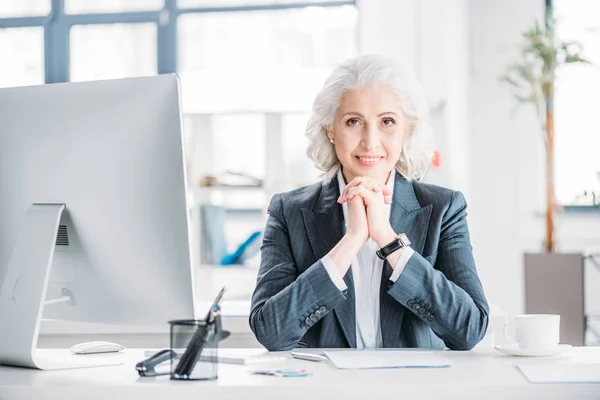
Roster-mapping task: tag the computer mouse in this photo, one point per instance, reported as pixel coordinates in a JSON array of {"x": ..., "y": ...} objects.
[{"x": 96, "y": 347}]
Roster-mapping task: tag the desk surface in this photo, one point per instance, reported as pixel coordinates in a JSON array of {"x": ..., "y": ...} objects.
[{"x": 475, "y": 374}]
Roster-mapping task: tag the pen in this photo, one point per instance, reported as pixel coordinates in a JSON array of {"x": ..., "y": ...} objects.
[
  {"x": 308, "y": 356},
  {"x": 285, "y": 373},
  {"x": 188, "y": 360}
]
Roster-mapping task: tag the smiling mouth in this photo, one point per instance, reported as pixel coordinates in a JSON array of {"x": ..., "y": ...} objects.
[{"x": 368, "y": 159}]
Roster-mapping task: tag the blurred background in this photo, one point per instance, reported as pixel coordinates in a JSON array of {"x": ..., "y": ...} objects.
[{"x": 250, "y": 69}]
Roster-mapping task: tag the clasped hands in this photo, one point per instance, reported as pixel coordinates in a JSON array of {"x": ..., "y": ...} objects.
[{"x": 367, "y": 213}]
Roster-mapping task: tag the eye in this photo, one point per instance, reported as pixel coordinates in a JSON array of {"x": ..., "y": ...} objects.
[
  {"x": 352, "y": 122},
  {"x": 388, "y": 122}
]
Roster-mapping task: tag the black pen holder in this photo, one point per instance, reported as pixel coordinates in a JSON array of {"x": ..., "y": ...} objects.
[{"x": 205, "y": 366}]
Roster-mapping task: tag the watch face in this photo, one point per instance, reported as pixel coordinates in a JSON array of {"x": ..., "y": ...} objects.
[{"x": 404, "y": 239}]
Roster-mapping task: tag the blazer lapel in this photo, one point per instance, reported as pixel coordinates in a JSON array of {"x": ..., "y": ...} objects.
[
  {"x": 325, "y": 227},
  {"x": 407, "y": 216}
]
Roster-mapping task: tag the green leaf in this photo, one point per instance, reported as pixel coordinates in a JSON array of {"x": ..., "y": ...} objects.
[
  {"x": 541, "y": 54},
  {"x": 575, "y": 58}
]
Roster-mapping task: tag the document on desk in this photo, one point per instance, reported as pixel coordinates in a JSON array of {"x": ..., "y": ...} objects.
[
  {"x": 561, "y": 373},
  {"x": 365, "y": 359}
]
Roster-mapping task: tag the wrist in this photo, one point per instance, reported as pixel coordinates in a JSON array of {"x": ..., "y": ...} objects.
[
  {"x": 385, "y": 238},
  {"x": 344, "y": 252},
  {"x": 354, "y": 240}
]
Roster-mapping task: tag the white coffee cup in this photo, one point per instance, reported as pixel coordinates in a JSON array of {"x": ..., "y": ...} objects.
[{"x": 535, "y": 331}]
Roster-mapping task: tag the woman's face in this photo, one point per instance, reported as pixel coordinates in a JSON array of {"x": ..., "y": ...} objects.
[{"x": 368, "y": 132}]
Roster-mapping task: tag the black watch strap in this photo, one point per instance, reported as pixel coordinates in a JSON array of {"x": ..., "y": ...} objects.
[{"x": 400, "y": 242}]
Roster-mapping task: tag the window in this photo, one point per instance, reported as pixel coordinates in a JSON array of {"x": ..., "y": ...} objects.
[
  {"x": 236, "y": 3},
  {"x": 24, "y": 8},
  {"x": 112, "y": 51},
  {"x": 110, "y": 6},
  {"x": 24, "y": 47},
  {"x": 577, "y": 141},
  {"x": 268, "y": 60}
]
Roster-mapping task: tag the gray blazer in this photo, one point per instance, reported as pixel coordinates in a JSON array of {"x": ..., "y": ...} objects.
[{"x": 437, "y": 300}]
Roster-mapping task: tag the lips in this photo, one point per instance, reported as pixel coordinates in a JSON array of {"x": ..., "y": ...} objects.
[
  {"x": 368, "y": 161},
  {"x": 369, "y": 158}
]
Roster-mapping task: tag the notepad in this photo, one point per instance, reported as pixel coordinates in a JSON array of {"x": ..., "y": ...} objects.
[
  {"x": 561, "y": 373},
  {"x": 366, "y": 359}
]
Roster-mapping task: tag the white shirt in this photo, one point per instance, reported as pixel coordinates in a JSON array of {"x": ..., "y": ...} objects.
[{"x": 366, "y": 271}]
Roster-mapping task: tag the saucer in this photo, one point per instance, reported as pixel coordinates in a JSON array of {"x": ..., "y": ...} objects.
[{"x": 513, "y": 349}]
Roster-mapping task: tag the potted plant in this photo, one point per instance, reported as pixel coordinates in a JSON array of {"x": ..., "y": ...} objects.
[
  {"x": 553, "y": 282},
  {"x": 532, "y": 79}
]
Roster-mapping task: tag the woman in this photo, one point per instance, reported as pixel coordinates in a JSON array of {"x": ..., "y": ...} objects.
[{"x": 369, "y": 257}]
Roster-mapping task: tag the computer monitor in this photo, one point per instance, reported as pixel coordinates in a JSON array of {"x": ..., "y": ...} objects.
[{"x": 93, "y": 217}]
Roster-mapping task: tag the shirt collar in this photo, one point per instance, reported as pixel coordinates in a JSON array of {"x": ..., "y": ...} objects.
[{"x": 342, "y": 186}]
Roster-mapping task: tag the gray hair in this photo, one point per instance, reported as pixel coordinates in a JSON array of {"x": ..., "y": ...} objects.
[{"x": 359, "y": 72}]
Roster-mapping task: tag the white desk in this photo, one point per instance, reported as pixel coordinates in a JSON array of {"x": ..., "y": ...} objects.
[{"x": 476, "y": 374}]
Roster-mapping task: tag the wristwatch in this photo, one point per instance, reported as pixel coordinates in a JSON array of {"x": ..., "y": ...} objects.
[{"x": 400, "y": 242}]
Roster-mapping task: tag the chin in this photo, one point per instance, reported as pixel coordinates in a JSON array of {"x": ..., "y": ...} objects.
[{"x": 375, "y": 173}]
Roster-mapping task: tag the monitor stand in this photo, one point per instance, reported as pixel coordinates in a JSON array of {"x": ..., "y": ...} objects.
[{"x": 23, "y": 294}]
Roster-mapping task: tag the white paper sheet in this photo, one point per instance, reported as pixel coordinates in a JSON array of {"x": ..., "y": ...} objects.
[
  {"x": 242, "y": 356},
  {"x": 561, "y": 373},
  {"x": 386, "y": 359}
]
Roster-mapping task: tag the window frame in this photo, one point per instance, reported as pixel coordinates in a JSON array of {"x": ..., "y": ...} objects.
[
  {"x": 57, "y": 27},
  {"x": 570, "y": 208}
]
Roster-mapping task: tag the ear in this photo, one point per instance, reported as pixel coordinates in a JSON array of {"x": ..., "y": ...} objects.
[{"x": 329, "y": 134}]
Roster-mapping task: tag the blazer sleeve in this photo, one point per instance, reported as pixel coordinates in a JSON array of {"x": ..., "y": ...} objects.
[
  {"x": 448, "y": 295},
  {"x": 285, "y": 304}
]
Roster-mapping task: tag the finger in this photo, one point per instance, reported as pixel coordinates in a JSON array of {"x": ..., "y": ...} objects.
[
  {"x": 353, "y": 183},
  {"x": 367, "y": 182},
  {"x": 371, "y": 185},
  {"x": 361, "y": 191},
  {"x": 356, "y": 200},
  {"x": 355, "y": 191}
]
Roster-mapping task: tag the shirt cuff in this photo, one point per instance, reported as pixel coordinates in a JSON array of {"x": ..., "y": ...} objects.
[
  {"x": 401, "y": 263},
  {"x": 333, "y": 273}
]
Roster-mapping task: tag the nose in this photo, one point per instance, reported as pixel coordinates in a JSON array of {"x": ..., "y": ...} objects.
[{"x": 371, "y": 138}]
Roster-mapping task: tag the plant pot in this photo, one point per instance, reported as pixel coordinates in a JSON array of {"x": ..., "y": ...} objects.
[{"x": 554, "y": 285}]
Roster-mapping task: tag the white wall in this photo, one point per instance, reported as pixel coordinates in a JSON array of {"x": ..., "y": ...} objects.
[
  {"x": 508, "y": 181},
  {"x": 490, "y": 150},
  {"x": 502, "y": 146}
]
